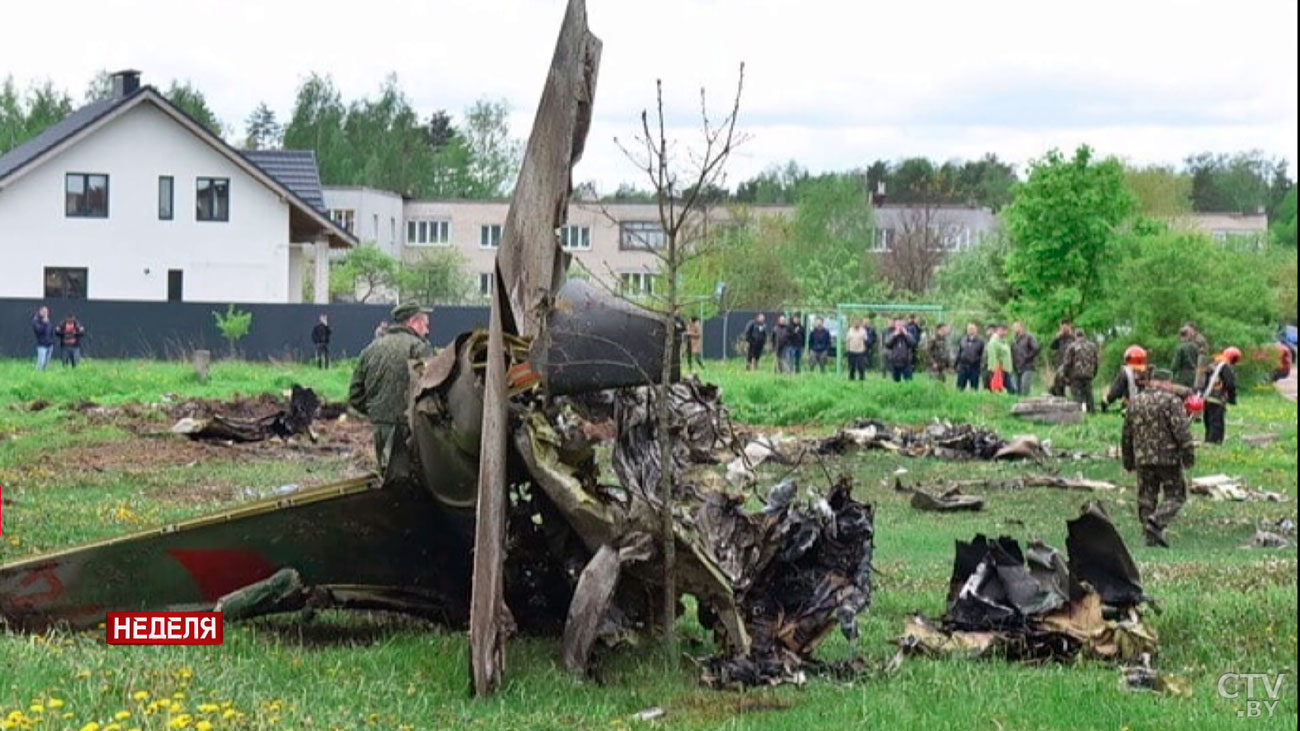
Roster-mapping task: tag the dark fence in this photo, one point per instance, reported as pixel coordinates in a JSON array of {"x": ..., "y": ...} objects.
[
  {"x": 117, "y": 329},
  {"x": 169, "y": 330}
]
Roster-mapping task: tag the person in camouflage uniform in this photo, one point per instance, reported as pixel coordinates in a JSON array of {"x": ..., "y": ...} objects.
[
  {"x": 381, "y": 384},
  {"x": 1059, "y": 344},
  {"x": 1079, "y": 368},
  {"x": 1157, "y": 444},
  {"x": 938, "y": 353},
  {"x": 1204, "y": 357}
]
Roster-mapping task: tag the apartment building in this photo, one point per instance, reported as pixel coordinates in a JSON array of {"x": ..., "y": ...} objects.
[{"x": 610, "y": 242}]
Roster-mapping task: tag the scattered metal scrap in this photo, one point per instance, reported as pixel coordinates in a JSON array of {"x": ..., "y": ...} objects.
[
  {"x": 941, "y": 439},
  {"x": 293, "y": 419},
  {"x": 1033, "y": 605},
  {"x": 952, "y": 500},
  {"x": 1223, "y": 487}
]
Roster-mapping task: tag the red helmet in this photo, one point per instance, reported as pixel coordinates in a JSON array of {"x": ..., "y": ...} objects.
[
  {"x": 1194, "y": 403},
  {"x": 1136, "y": 355},
  {"x": 1232, "y": 355}
]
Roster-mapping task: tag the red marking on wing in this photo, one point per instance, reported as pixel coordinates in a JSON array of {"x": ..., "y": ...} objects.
[
  {"x": 219, "y": 571},
  {"x": 38, "y": 596}
]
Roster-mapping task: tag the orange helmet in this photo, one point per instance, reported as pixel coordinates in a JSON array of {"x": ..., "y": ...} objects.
[
  {"x": 1194, "y": 403},
  {"x": 1136, "y": 355},
  {"x": 1232, "y": 355}
]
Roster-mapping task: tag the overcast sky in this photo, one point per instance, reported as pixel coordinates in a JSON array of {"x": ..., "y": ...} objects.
[{"x": 833, "y": 84}]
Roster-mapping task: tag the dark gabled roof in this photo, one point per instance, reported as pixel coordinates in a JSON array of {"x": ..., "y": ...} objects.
[
  {"x": 17, "y": 158},
  {"x": 295, "y": 169}
]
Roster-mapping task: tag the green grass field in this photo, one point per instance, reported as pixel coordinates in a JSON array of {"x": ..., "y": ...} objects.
[{"x": 1226, "y": 609}]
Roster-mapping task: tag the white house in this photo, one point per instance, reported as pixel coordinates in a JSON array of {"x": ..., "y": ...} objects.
[{"x": 129, "y": 198}]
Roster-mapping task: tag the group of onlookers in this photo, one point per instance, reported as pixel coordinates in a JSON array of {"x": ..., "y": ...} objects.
[{"x": 68, "y": 335}]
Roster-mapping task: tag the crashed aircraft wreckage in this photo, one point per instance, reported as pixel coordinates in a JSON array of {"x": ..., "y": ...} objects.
[
  {"x": 492, "y": 514},
  {"x": 1035, "y": 605}
]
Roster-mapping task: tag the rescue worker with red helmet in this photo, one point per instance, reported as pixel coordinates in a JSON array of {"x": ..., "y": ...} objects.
[
  {"x": 1219, "y": 390},
  {"x": 1128, "y": 382}
]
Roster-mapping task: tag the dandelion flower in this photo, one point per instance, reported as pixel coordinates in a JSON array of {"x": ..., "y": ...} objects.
[
  {"x": 181, "y": 721},
  {"x": 140, "y": 695},
  {"x": 203, "y": 726},
  {"x": 209, "y": 708},
  {"x": 92, "y": 726},
  {"x": 121, "y": 715},
  {"x": 55, "y": 703}
]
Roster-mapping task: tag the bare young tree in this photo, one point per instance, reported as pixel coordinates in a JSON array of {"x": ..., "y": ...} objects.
[
  {"x": 681, "y": 179},
  {"x": 926, "y": 232}
]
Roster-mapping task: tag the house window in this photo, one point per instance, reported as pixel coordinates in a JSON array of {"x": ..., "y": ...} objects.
[
  {"x": 641, "y": 235},
  {"x": 884, "y": 240},
  {"x": 489, "y": 236},
  {"x": 636, "y": 283},
  {"x": 346, "y": 218},
  {"x": 166, "y": 197},
  {"x": 485, "y": 283},
  {"x": 86, "y": 195},
  {"x": 175, "y": 285},
  {"x": 212, "y": 199},
  {"x": 428, "y": 233},
  {"x": 65, "y": 282},
  {"x": 575, "y": 238}
]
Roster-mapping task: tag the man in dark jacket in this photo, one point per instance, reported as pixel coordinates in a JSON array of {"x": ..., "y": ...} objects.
[
  {"x": 819, "y": 345},
  {"x": 970, "y": 358},
  {"x": 1186, "y": 357},
  {"x": 1157, "y": 444},
  {"x": 1218, "y": 391},
  {"x": 796, "y": 337},
  {"x": 918, "y": 335},
  {"x": 381, "y": 384},
  {"x": 755, "y": 339},
  {"x": 780, "y": 344},
  {"x": 320, "y": 337},
  {"x": 43, "y": 330},
  {"x": 1024, "y": 357},
  {"x": 70, "y": 333},
  {"x": 900, "y": 352},
  {"x": 873, "y": 343},
  {"x": 1060, "y": 343}
]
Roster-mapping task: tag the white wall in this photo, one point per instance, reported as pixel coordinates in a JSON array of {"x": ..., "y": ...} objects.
[
  {"x": 245, "y": 259},
  {"x": 378, "y": 215}
]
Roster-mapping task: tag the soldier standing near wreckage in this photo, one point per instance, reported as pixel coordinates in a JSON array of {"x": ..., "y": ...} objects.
[
  {"x": 381, "y": 384},
  {"x": 1079, "y": 368},
  {"x": 1157, "y": 444}
]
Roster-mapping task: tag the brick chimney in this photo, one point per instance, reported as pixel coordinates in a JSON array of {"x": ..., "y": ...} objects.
[{"x": 125, "y": 82}]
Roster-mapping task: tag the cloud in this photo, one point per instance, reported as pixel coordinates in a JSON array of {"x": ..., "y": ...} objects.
[{"x": 831, "y": 83}]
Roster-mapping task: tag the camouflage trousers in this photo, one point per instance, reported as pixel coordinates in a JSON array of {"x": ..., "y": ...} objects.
[
  {"x": 1151, "y": 482},
  {"x": 383, "y": 443},
  {"x": 1081, "y": 392}
]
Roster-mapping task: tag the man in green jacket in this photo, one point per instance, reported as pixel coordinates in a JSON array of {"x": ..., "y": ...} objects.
[
  {"x": 381, "y": 384},
  {"x": 1186, "y": 358},
  {"x": 997, "y": 354}
]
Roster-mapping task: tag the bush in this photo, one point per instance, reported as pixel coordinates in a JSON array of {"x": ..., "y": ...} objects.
[
  {"x": 234, "y": 324},
  {"x": 1172, "y": 277}
]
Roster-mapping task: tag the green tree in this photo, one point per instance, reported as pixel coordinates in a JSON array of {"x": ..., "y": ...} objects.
[
  {"x": 24, "y": 116},
  {"x": 261, "y": 131},
  {"x": 100, "y": 86},
  {"x": 1063, "y": 224},
  {"x": 186, "y": 97},
  {"x": 774, "y": 186},
  {"x": 751, "y": 256},
  {"x": 494, "y": 156},
  {"x": 1283, "y": 228},
  {"x": 233, "y": 325},
  {"x": 435, "y": 276},
  {"x": 1161, "y": 191},
  {"x": 317, "y": 124},
  {"x": 973, "y": 282},
  {"x": 1242, "y": 183},
  {"x": 832, "y": 237},
  {"x": 1172, "y": 276},
  {"x": 365, "y": 272}
]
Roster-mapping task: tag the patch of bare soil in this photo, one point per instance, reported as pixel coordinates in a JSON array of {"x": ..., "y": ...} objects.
[
  {"x": 719, "y": 706},
  {"x": 154, "y": 446}
]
